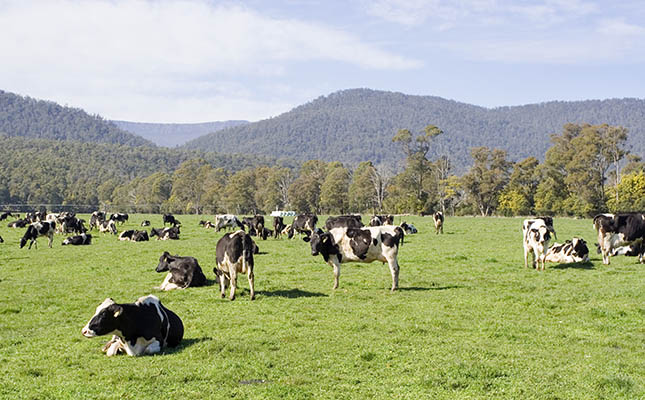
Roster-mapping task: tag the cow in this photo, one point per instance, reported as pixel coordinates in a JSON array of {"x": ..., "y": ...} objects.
[
  {"x": 71, "y": 224},
  {"x": 127, "y": 235},
  {"x": 571, "y": 251},
  {"x": 170, "y": 219},
  {"x": 227, "y": 221},
  {"x": 257, "y": 222},
  {"x": 437, "y": 218},
  {"x": 82, "y": 239},
  {"x": 108, "y": 225},
  {"x": 96, "y": 219},
  {"x": 145, "y": 222},
  {"x": 536, "y": 241},
  {"x": 364, "y": 245},
  {"x": 36, "y": 216},
  {"x": 344, "y": 221},
  {"x": 183, "y": 272},
  {"x": 234, "y": 254},
  {"x": 631, "y": 250},
  {"x": 409, "y": 229},
  {"x": 278, "y": 226},
  {"x": 303, "y": 223},
  {"x": 165, "y": 233},
  {"x": 140, "y": 236},
  {"x": 119, "y": 217},
  {"x": 207, "y": 224},
  {"x": 548, "y": 221},
  {"x": 36, "y": 229},
  {"x": 143, "y": 327},
  {"x": 378, "y": 220},
  {"x": 620, "y": 230},
  {"x": 19, "y": 223},
  {"x": 5, "y": 214}
]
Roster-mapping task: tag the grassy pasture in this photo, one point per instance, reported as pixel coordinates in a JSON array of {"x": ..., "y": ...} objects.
[{"x": 468, "y": 322}]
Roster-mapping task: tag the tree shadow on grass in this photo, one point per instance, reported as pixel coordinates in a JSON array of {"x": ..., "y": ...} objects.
[
  {"x": 291, "y": 294},
  {"x": 185, "y": 343},
  {"x": 579, "y": 265},
  {"x": 417, "y": 288}
]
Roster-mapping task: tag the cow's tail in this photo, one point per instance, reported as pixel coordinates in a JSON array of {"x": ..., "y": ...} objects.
[
  {"x": 400, "y": 235},
  {"x": 246, "y": 248}
]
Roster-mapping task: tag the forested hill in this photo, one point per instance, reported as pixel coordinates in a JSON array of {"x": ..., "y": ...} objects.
[
  {"x": 31, "y": 118},
  {"x": 358, "y": 124},
  {"x": 170, "y": 135}
]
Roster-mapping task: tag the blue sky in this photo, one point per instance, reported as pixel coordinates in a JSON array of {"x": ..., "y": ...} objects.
[{"x": 205, "y": 60}]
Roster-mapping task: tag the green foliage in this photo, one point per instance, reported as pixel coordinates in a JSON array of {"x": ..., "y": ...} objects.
[
  {"x": 334, "y": 197},
  {"x": 629, "y": 195},
  {"x": 362, "y": 193},
  {"x": 487, "y": 178},
  {"x": 513, "y": 202}
]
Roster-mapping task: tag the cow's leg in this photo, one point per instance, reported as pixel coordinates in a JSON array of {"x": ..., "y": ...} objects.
[
  {"x": 336, "y": 266},
  {"x": 233, "y": 283},
  {"x": 166, "y": 282},
  {"x": 222, "y": 286},
  {"x": 112, "y": 347},
  {"x": 394, "y": 270},
  {"x": 153, "y": 348},
  {"x": 251, "y": 283},
  {"x": 526, "y": 257},
  {"x": 51, "y": 239}
]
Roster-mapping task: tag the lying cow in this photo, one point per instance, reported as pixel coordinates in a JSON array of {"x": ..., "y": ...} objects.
[
  {"x": 206, "y": 224},
  {"x": 82, "y": 239},
  {"x": 37, "y": 229},
  {"x": 365, "y": 245},
  {"x": 134, "y": 235},
  {"x": 183, "y": 272},
  {"x": 227, "y": 221},
  {"x": 108, "y": 226},
  {"x": 234, "y": 254},
  {"x": 20, "y": 223},
  {"x": 437, "y": 218},
  {"x": 344, "y": 221},
  {"x": 409, "y": 229},
  {"x": 620, "y": 230},
  {"x": 379, "y": 220},
  {"x": 165, "y": 233},
  {"x": 143, "y": 327},
  {"x": 571, "y": 251},
  {"x": 145, "y": 222},
  {"x": 536, "y": 241}
]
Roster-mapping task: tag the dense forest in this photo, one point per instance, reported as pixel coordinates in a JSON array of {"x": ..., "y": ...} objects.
[
  {"x": 171, "y": 135},
  {"x": 31, "y": 118},
  {"x": 357, "y": 125}
]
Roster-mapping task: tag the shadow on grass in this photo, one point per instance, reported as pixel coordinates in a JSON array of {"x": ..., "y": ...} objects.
[
  {"x": 578, "y": 265},
  {"x": 417, "y": 288},
  {"x": 291, "y": 294},
  {"x": 185, "y": 343}
]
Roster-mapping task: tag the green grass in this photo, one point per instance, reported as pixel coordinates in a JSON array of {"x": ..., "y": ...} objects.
[{"x": 469, "y": 321}]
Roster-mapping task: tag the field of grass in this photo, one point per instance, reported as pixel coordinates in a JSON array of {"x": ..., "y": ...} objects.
[{"x": 469, "y": 321}]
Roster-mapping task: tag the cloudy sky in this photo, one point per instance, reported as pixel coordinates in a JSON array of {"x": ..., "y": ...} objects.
[{"x": 207, "y": 60}]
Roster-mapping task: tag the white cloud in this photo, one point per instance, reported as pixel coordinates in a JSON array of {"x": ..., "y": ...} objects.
[
  {"x": 618, "y": 27},
  {"x": 169, "y": 48}
]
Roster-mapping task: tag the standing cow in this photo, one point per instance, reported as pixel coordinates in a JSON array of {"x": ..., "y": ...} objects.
[
  {"x": 536, "y": 241},
  {"x": 36, "y": 229},
  {"x": 438, "y": 222},
  {"x": 234, "y": 254},
  {"x": 620, "y": 230}
]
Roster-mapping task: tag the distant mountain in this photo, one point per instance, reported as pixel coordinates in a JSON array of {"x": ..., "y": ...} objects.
[
  {"x": 358, "y": 124},
  {"x": 170, "y": 135},
  {"x": 31, "y": 118}
]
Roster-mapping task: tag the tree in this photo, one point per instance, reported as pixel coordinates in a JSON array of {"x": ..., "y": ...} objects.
[
  {"x": 362, "y": 190},
  {"x": 239, "y": 192},
  {"x": 486, "y": 178},
  {"x": 631, "y": 193},
  {"x": 187, "y": 183},
  {"x": 333, "y": 192},
  {"x": 304, "y": 192}
]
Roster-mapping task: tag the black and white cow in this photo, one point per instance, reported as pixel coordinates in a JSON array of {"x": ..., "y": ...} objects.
[
  {"x": 165, "y": 233},
  {"x": 278, "y": 226},
  {"x": 536, "y": 237},
  {"x": 145, "y": 222},
  {"x": 140, "y": 236},
  {"x": 409, "y": 229},
  {"x": 108, "y": 225},
  {"x": 183, "y": 272},
  {"x": 634, "y": 249},
  {"x": 257, "y": 223},
  {"x": 19, "y": 223},
  {"x": 437, "y": 218},
  {"x": 227, "y": 221},
  {"x": 170, "y": 219},
  {"x": 36, "y": 229},
  {"x": 344, "y": 221},
  {"x": 96, "y": 219},
  {"x": 143, "y": 327},
  {"x": 82, "y": 239},
  {"x": 303, "y": 223},
  {"x": 378, "y": 220},
  {"x": 620, "y": 230},
  {"x": 571, "y": 251},
  {"x": 364, "y": 245},
  {"x": 119, "y": 217},
  {"x": 548, "y": 221},
  {"x": 5, "y": 214},
  {"x": 127, "y": 235},
  {"x": 234, "y": 254},
  {"x": 71, "y": 224}
]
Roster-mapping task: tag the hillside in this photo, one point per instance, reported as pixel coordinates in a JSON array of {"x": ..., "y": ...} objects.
[
  {"x": 171, "y": 135},
  {"x": 31, "y": 118},
  {"x": 358, "y": 124}
]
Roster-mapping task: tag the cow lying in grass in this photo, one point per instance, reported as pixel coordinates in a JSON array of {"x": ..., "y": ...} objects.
[
  {"x": 79, "y": 240},
  {"x": 183, "y": 272},
  {"x": 571, "y": 251}
]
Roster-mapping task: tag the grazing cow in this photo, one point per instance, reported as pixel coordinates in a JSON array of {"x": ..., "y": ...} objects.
[
  {"x": 165, "y": 233},
  {"x": 536, "y": 241},
  {"x": 143, "y": 327},
  {"x": 82, "y": 239},
  {"x": 303, "y": 223},
  {"x": 571, "y": 251},
  {"x": 108, "y": 225},
  {"x": 19, "y": 223},
  {"x": 234, "y": 254},
  {"x": 170, "y": 219},
  {"x": 365, "y": 245},
  {"x": 620, "y": 230},
  {"x": 140, "y": 236},
  {"x": 119, "y": 217},
  {"x": 278, "y": 226},
  {"x": 96, "y": 219},
  {"x": 438, "y": 222},
  {"x": 36, "y": 229},
  {"x": 145, "y": 222},
  {"x": 227, "y": 221},
  {"x": 409, "y": 229},
  {"x": 344, "y": 221},
  {"x": 5, "y": 214},
  {"x": 183, "y": 272}
]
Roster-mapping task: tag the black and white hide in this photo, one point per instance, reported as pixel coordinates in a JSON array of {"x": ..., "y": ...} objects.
[
  {"x": 182, "y": 272},
  {"x": 234, "y": 254},
  {"x": 78, "y": 240},
  {"x": 571, "y": 251},
  {"x": 37, "y": 229}
]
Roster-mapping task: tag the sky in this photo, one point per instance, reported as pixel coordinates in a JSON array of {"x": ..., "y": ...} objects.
[{"x": 205, "y": 60}]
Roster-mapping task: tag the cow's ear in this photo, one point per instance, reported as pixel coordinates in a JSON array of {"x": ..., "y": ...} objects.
[{"x": 118, "y": 310}]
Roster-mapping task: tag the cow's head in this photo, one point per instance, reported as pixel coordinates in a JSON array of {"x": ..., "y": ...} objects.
[
  {"x": 164, "y": 262},
  {"x": 320, "y": 242},
  {"x": 579, "y": 247},
  {"x": 31, "y": 232},
  {"x": 105, "y": 319}
]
